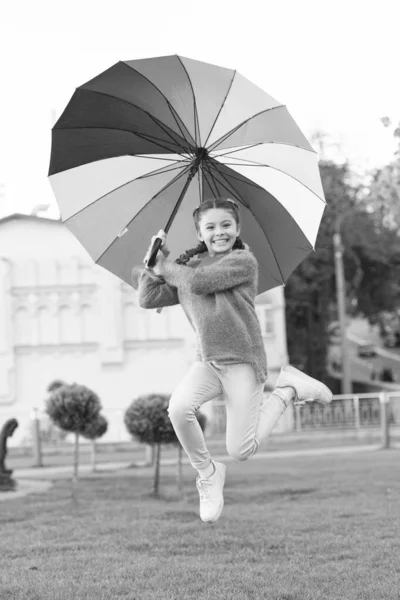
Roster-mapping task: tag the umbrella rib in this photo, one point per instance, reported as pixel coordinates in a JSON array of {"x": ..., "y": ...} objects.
[
  {"x": 266, "y": 236},
  {"x": 196, "y": 116},
  {"x": 184, "y": 171},
  {"x": 248, "y": 182},
  {"x": 258, "y": 165},
  {"x": 148, "y": 138},
  {"x": 226, "y": 136},
  {"x": 221, "y": 107},
  {"x": 237, "y": 150},
  {"x": 157, "y": 121},
  {"x": 232, "y": 131},
  {"x": 224, "y": 185},
  {"x": 156, "y": 172},
  {"x": 177, "y": 122},
  {"x": 152, "y": 157},
  {"x": 162, "y": 94},
  {"x": 216, "y": 194}
]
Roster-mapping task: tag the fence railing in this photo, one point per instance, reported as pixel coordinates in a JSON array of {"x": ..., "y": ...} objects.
[
  {"x": 358, "y": 412},
  {"x": 345, "y": 412}
]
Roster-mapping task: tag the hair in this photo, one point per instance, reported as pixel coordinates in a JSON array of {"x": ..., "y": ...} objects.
[{"x": 225, "y": 203}]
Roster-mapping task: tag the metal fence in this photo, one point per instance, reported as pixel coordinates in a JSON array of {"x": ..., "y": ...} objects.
[
  {"x": 345, "y": 412},
  {"x": 379, "y": 411}
]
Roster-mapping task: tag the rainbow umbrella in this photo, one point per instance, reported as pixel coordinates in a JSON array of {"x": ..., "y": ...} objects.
[{"x": 138, "y": 147}]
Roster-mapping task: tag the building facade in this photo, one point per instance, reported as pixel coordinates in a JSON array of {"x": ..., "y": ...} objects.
[{"x": 64, "y": 317}]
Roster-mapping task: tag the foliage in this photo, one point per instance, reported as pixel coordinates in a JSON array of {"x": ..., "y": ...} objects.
[
  {"x": 94, "y": 430},
  {"x": 72, "y": 407},
  {"x": 54, "y": 385},
  {"x": 75, "y": 408},
  {"x": 371, "y": 256},
  {"x": 147, "y": 420},
  {"x": 311, "y": 287}
]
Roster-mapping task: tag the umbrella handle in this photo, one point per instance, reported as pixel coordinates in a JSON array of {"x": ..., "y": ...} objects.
[{"x": 153, "y": 253}]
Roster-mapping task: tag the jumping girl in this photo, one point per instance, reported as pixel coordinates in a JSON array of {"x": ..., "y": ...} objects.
[{"x": 216, "y": 285}]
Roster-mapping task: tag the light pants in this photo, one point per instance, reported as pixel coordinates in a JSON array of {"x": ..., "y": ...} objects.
[{"x": 250, "y": 417}]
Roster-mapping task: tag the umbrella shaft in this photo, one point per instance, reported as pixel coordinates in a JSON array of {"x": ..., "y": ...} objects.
[
  {"x": 157, "y": 242},
  {"x": 192, "y": 173}
]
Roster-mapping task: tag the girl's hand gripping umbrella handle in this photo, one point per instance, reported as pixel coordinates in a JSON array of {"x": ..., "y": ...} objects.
[
  {"x": 158, "y": 242},
  {"x": 153, "y": 252}
]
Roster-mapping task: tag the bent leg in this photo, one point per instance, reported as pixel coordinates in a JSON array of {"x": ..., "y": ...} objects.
[
  {"x": 243, "y": 396},
  {"x": 250, "y": 415},
  {"x": 200, "y": 385}
]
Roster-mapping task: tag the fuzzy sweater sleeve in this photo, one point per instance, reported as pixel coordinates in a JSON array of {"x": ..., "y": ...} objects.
[
  {"x": 234, "y": 269},
  {"x": 153, "y": 290}
]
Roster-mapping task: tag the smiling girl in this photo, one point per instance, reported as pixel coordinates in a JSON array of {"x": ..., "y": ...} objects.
[{"x": 216, "y": 285}]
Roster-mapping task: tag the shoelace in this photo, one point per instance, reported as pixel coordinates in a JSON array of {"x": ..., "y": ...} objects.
[
  {"x": 299, "y": 402},
  {"x": 203, "y": 485}
]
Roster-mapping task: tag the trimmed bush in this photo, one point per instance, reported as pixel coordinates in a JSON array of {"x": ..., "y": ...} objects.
[
  {"x": 147, "y": 420},
  {"x": 73, "y": 408}
]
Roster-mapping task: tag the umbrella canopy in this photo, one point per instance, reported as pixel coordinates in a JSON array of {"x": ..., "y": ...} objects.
[{"x": 146, "y": 141}]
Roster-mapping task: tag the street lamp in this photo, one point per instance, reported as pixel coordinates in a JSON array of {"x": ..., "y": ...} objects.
[{"x": 341, "y": 302}]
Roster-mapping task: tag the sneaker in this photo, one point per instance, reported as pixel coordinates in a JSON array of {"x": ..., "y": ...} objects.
[
  {"x": 211, "y": 494},
  {"x": 306, "y": 388}
]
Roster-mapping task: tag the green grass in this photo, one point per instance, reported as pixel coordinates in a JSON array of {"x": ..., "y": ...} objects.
[{"x": 292, "y": 529}]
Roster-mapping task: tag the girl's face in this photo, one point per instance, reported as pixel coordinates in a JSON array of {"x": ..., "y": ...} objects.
[{"x": 219, "y": 230}]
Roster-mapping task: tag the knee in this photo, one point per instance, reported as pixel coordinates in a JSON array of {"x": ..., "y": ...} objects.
[
  {"x": 179, "y": 413},
  {"x": 242, "y": 453}
]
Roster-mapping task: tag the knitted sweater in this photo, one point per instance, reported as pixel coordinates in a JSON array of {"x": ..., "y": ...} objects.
[{"x": 217, "y": 295}]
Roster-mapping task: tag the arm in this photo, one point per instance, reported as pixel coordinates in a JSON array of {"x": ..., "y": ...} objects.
[
  {"x": 234, "y": 269},
  {"x": 154, "y": 292}
]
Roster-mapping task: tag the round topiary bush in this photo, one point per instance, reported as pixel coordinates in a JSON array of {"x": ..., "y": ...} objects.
[
  {"x": 73, "y": 408},
  {"x": 147, "y": 421}
]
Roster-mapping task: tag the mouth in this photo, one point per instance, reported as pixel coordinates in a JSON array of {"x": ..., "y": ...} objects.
[{"x": 220, "y": 242}]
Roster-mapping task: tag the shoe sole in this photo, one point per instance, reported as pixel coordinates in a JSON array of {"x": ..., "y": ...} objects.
[{"x": 221, "y": 506}]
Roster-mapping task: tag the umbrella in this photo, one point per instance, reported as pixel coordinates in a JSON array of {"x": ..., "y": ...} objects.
[{"x": 142, "y": 144}]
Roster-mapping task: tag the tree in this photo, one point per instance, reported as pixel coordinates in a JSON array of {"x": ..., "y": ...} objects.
[
  {"x": 371, "y": 262},
  {"x": 93, "y": 431},
  {"x": 147, "y": 420},
  {"x": 311, "y": 288},
  {"x": 73, "y": 408}
]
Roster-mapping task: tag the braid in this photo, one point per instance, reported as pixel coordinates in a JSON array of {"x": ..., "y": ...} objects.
[
  {"x": 186, "y": 256},
  {"x": 238, "y": 245}
]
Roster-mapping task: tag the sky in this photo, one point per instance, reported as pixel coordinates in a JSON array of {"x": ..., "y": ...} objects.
[{"x": 333, "y": 64}]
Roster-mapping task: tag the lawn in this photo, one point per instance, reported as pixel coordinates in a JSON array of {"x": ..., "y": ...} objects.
[{"x": 325, "y": 527}]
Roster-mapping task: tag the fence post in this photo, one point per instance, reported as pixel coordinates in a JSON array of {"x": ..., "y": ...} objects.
[
  {"x": 36, "y": 441},
  {"x": 384, "y": 409},
  {"x": 357, "y": 423}
]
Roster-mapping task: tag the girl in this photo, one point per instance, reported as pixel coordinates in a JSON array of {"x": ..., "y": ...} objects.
[{"x": 216, "y": 285}]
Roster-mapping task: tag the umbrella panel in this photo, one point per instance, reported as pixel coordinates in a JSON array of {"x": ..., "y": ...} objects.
[
  {"x": 124, "y": 81},
  {"x": 99, "y": 224},
  {"x": 129, "y": 250}
]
